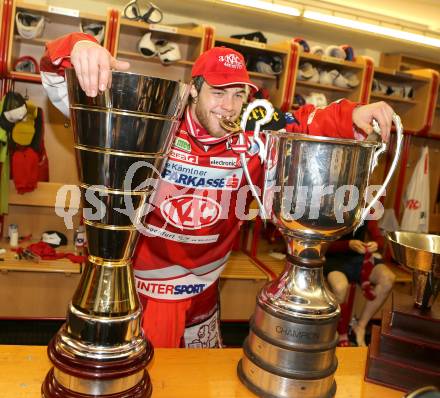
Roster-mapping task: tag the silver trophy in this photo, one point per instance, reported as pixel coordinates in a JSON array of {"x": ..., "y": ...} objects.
[
  {"x": 404, "y": 351},
  {"x": 122, "y": 138},
  {"x": 315, "y": 192},
  {"x": 421, "y": 253}
]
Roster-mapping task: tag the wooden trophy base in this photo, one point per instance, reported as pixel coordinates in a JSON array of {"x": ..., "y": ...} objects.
[
  {"x": 405, "y": 352},
  {"x": 92, "y": 378}
]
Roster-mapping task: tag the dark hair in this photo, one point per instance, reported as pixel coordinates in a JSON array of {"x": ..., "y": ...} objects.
[{"x": 198, "y": 82}]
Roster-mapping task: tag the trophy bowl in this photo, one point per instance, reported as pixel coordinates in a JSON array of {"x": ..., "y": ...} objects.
[{"x": 421, "y": 254}]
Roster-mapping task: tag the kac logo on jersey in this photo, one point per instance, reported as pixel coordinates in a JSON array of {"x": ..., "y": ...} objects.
[{"x": 190, "y": 211}]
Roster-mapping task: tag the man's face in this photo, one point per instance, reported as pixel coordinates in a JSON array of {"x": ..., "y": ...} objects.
[{"x": 213, "y": 103}]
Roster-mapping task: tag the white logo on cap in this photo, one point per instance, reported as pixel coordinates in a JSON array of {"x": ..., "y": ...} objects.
[{"x": 231, "y": 61}]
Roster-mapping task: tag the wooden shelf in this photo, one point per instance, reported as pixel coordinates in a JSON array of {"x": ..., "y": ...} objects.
[
  {"x": 38, "y": 40},
  {"x": 69, "y": 12},
  {"x": 323, "y": 86},
  {"x": 251, "y": 44},
  {"x": 45, "y": 196},
  {"x": 330, "y": 60},
  {"x": 241, "y": 266},
  {"x": 155, "y": 59},
  {"x": 173, "y": 30},
  {"x": 262, "y": 75},
  {"x": 395, "y": 99},
  {"x": 388, "y": 73},
  {"x": 63, "y": 265},
  {"x": 25, "y": 76}
]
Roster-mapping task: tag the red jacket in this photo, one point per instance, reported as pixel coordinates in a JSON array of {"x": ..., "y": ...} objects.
[{"x": 201, "y": 196}]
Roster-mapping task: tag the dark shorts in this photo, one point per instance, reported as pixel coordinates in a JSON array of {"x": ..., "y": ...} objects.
[{"x": 350, "y": 265}]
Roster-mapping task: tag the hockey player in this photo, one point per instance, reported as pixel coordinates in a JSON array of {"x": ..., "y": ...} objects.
[{"x": 190, "y": 235}]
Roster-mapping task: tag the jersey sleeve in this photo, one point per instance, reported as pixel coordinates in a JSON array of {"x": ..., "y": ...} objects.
[
  {"x": 55, "y": 60},
  {"x": 334, "y": 120}
]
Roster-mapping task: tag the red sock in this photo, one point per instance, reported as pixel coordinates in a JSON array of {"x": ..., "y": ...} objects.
[{"x": 367, "y": 267}]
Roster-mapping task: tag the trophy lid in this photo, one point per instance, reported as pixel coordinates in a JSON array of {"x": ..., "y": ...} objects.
[{"x": 416, "y": 250}]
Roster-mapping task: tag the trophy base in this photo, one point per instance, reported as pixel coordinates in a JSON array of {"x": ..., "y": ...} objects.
[
  {"x": 263, "y": 381},
  {"x": 405, "y": 352},
  {"x": 76, "y": 376},
  {"x": 289, "y": 356},
  {"x": 52, "y": 389}
]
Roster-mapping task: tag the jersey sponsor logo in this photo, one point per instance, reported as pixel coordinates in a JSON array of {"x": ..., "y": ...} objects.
[
  {"x": 183, "y": 156},
  {"x": 193, "y": 239},
  {"x": 227, "y": 163},
  {"x": 202, "y": 177},
  {"x": 190, "y": 211},
  {"x": 173, "y": 290},
  {"x": 182, "y": 144},
  {"x": 189, "y": 285}
]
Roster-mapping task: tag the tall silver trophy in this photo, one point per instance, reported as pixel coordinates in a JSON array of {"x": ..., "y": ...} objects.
[
  {"x": 122, "y": 138},
  {"x": 315, "y": 192}
]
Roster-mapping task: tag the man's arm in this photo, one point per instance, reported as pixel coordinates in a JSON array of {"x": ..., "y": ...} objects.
[
  {"x": 91, "y": 61},
  {"x": 341, "y": 119},
  {"x": 334, "y": 120}
]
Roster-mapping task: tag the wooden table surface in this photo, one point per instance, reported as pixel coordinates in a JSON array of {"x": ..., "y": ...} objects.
[{"x": 196, "y": 373}]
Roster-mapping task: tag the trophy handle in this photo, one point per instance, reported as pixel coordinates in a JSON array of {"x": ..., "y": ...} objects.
[
  {"x": 268, "y": 107},
  {"x": 261, "y": 146},
  {"x": 399, "y": 130}
]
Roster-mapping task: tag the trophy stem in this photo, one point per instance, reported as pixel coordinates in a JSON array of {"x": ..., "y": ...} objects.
[
  {"x": 101, "y": 349},
  {"x": 303, "y": 250}
]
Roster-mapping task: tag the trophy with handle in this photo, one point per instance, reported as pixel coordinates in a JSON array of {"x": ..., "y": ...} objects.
[
  {"x": 315, "y": 192},
  {"x": 122, "y": 138}
]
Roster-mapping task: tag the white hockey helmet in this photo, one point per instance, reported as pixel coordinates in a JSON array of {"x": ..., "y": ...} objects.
[
  {"x": 29, "y": 25},
  {"x": 141, "y": 10},
  {"x": 97, "y": 30}
]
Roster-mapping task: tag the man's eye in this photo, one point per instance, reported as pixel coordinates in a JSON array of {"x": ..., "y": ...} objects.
[
  {"x": 240, "y": 95},
  {"x": 218, "y": 93}
]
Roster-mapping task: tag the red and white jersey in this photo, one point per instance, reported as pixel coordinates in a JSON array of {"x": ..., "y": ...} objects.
[{"x": 202, "y": 196}]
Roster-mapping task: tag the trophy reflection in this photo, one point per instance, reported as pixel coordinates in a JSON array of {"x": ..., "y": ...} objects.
[
  {"x": 122, "y": 138},
  {"x": 315, "y": 189}
]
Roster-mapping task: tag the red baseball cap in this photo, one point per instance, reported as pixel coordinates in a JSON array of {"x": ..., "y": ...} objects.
[{"x": 222, "y": 66}]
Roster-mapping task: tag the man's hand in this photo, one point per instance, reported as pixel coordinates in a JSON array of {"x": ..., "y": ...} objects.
[
  {"x": 357, "y": 246},
  {"x": 93, "y": 64},
  {"x": 372, "y": 246},
  {"x": 381, "y": 111}
]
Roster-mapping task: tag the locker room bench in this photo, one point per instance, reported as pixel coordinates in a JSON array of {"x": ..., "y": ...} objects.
[{"x": 240, "y": 283}]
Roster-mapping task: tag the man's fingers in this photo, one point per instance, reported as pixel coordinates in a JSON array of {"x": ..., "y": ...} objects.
[
  {"x": 77, "y": 65},
  {"x": 119, "y": 65},
  {"x": 367, "y": 127},
  {"x": 104, "y": 73},
  {"x": 388, "y": 122},
  {"x": 84, "y": 65},
  {"x": 93, "y": 73}
]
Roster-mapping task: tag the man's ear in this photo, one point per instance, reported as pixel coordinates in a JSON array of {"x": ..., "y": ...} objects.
[{"x": 193, "y": 91}]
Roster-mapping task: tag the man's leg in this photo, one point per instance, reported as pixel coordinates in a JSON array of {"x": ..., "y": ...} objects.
[
  {"x": 383, "y": 279},
  {"x": 339, "y": 285}
]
